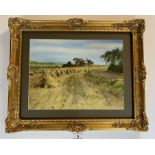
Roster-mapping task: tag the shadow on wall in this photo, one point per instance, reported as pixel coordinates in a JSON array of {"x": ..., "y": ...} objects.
[{"x": 4, "y": 62}]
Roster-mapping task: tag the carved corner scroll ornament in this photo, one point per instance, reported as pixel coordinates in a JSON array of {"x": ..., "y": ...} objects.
[
  {"x": 13, "y": 125},
  {"x": 77, "y": 127},
  {"x": 135, "y": 25},
  {"x": 138, "y": 124},
  {"x": 76, "y": 23},
  {"x": 17, "y": 23}
]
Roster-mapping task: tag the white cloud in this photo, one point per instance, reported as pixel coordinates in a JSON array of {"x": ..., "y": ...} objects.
[
  {"x": 106, "y": 46},
  {"x": 60, "y": 50}
]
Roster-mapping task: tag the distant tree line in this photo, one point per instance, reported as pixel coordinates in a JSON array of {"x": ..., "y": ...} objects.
[
  {"x": 79, "y": 62},
  {"x": 115, "y": 60}
]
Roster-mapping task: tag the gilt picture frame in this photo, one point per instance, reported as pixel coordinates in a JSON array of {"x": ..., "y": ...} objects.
[{"x": 74, "y": 91}]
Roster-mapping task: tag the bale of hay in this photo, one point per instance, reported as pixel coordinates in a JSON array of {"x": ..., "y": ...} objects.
[
  {"x": 49, "y": 81},
  {"x": 36, "y": 81}
]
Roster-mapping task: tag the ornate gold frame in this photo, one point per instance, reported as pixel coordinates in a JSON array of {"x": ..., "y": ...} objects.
[{"x": 14, "y": 123}]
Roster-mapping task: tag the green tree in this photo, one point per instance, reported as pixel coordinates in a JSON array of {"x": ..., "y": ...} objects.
[
  {"x": 114, "y": 59},
  {"x": 89, "y": 62},
  {"x": 77, "y": 61},
  {"x": 82, "y": 61},
  {"x": 69, "y": 64}
]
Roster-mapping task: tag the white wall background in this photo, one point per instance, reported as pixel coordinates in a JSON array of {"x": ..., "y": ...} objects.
[{"x": 149, "y": 55}]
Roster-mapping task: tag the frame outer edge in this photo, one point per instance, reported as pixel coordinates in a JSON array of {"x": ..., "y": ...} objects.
[{"x": 13, "y": 121}]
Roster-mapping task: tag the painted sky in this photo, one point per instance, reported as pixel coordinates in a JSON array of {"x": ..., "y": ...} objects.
[{"x": 63, "y": 50}]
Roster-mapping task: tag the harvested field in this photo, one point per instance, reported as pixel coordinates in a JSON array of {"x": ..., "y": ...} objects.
[{"x": 75, "y": 88}]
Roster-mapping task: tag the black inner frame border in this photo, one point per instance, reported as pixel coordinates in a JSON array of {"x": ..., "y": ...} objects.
[{"x": 128, "y": 111}]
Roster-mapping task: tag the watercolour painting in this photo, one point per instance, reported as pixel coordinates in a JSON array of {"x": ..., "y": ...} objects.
[{"x": 76, "y": 74}]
